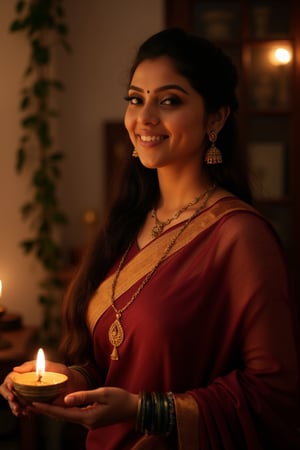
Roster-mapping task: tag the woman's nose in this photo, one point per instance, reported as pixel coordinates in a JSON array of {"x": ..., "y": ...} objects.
[{"x": 148, "y": 114}]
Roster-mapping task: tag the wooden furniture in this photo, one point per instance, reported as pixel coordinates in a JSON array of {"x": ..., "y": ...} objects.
[
  {"x": 250, "y": 32},
  {"x": 22, "y": 349}
]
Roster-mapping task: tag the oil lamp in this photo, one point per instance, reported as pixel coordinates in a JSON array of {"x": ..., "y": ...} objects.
[{"x": 39, "y": 386}]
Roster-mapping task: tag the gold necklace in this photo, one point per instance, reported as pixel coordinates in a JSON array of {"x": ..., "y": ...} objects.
[
  {"x": 116, "y": 331},
  {"x": 159, "y": 225}
]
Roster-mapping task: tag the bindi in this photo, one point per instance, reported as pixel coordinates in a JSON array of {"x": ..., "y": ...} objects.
[{"x": 148, "y": 92}]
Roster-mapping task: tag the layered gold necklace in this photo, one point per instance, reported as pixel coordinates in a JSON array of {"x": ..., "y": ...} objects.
[
  {"x": 116, "y": 332},
  {"x": 160, "y": 225}
]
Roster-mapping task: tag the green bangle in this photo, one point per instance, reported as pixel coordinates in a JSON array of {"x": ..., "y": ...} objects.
[{"x": 156, "y": 413}]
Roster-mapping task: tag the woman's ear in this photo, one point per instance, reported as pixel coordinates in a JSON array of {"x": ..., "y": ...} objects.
[{"x": 217, "y": 119}]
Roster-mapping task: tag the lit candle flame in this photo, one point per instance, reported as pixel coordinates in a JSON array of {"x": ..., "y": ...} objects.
[{"x": 40, "y": 365}]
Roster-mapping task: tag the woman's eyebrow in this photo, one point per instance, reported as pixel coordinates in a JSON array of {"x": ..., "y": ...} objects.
[
  {"x": 161, "y": 88},
  {"x": 171, "y": 86}
]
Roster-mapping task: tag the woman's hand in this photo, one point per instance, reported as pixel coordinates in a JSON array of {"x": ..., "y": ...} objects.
[
  {"x": 95, "y": 408},
  {"x": 75, "y": 382},
  {"x": 6, "y": 390}
]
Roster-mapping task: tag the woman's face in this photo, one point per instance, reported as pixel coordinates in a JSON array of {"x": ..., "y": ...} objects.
[{"x": 165, "y": 117}]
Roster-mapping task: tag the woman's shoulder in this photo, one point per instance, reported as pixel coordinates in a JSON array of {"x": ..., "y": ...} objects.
[
  {"x": 223, "y": 200},
  {"x": 228, "y": 206},
  {"x": 240, "y": 221}
]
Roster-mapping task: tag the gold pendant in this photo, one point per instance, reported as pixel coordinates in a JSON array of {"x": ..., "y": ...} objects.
[
  {"x": 157, "y": 230},
  {"x": 116, "y": 336}
]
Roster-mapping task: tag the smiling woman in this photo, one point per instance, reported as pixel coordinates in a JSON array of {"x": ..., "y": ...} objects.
[
  {"x": 181, "y": 335},
  {"x": 168, "y": 126}
]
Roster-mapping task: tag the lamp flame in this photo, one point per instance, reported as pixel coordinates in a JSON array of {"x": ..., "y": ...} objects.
[{"x": 40, "y": 364}]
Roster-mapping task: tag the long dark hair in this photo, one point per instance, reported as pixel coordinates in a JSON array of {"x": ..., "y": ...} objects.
[{"x": 214, "y": 76}]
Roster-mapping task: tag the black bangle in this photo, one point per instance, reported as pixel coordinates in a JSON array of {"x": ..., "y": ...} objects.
[{"x": 156, "y": 413}]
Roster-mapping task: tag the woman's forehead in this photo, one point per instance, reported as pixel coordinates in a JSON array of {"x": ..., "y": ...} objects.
[{"x": 157, "y": 72}]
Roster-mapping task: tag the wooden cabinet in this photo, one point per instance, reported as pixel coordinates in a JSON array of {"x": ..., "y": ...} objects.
[
  {"x": 263, "y": 39},
  {"x": 16, "y": 431}
]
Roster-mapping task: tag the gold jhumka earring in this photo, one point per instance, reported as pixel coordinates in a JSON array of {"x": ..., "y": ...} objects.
[
  {"x": 135, "y": 153},
  {"x": 213, "y": 154}
]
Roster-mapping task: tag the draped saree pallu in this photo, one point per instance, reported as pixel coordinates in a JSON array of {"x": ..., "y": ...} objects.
[
  {"x": 212, "y": 346},
  {"x": 143, "y": 262}
]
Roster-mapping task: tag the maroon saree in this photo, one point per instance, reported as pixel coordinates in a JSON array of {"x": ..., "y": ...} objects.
[{"x": 214, "y": 325}]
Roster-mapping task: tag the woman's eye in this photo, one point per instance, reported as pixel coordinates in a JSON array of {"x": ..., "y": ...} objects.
[
  {"x": 167, "y": 101},
  {"x": 133, "y": 100},
  {"x": 171, "y": 101}
]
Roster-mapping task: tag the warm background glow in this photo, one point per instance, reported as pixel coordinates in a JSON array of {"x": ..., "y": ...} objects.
[{"x": 280, "y": 56}]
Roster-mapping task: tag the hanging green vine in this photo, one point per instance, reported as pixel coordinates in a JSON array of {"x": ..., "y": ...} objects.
[{"x": 43, "y": 22}]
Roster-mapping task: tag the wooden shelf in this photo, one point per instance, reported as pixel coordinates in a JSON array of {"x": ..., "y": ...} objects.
[{"x": 21, "y": 349}]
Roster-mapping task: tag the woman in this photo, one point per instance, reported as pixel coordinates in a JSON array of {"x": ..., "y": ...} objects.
[{"x": 179, "y": 320}]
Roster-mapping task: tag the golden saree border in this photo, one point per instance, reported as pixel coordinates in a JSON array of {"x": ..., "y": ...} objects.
[
  {"x": 142, "y": 263},
  {"x": 187, "y": 421}
]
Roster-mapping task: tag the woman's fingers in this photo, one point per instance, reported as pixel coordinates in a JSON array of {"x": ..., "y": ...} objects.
[
  {"x": 84, "y": 416},
  {"x": 6, "y": 388},
  {"x": 94, "y": 408},
  {"x": 7, "y": 392},
  {"x": 81, "y": 398},
  {"x": 28, "y": 366}
]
